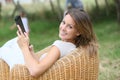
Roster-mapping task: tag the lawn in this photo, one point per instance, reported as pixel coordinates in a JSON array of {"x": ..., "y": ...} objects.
[{"x": 109, "y": 52}]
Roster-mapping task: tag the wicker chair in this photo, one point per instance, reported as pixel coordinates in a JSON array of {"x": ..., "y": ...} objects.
[
  {"x": 75, "y": 66},
  {"x": 4, "y": 70}
]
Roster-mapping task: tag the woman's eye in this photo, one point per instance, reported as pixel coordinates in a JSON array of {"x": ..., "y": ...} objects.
[
  {"x": 70, "y": 26},
  {"x": 63, "y": 22}
]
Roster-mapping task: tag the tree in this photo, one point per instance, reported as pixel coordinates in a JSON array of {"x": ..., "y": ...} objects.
[
  {"x": 97, "y": 5},
  {"x": 117, "y": 3},
  {"x": 52, "y": 6},
  {"x": 60, "y": 13},
  {"x": 18, "y": 7},
  {"x": 0, "y": 9},
  {"x": 107, "y": 7}
]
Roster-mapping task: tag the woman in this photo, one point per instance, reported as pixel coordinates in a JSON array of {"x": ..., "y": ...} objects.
[{"x": 75, "y": 30}]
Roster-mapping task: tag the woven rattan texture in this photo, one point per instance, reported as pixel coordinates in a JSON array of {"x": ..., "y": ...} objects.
[{"x": 4, "y": 70}]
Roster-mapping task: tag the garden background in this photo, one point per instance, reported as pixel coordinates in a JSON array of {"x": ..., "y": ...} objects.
[{"x": 44, "y": 18}]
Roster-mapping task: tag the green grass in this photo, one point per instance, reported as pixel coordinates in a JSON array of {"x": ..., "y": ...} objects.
[{"x": 109, "y": 52}]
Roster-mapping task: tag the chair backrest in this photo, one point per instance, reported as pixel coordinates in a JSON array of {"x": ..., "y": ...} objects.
[{"x": 76, "y": 66}]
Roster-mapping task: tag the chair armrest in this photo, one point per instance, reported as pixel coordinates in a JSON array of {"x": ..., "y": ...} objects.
[{"x": 20, "y": 72}]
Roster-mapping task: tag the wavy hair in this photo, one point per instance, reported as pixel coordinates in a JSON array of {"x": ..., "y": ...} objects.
[{"x": 83, "y": 24}]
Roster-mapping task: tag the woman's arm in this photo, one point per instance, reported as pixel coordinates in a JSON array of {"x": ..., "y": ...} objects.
[
  {"x": 35, "y": 66},
  {"x": 41, "y": 66}
]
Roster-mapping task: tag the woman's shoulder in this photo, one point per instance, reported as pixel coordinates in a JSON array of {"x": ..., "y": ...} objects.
[
  {"x": 60, "y": 42},
  {"x": 64, "y": 47}
]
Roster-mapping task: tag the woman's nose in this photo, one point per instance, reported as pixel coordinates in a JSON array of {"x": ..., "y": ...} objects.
[{"x": 64, "y": 27}]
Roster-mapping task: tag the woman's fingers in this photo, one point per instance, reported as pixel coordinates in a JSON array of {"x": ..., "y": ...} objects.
[
  {"x": 26, "y": 35},
  {"x": 31, "y": 48},
  {"x": 20, "y": 31}
]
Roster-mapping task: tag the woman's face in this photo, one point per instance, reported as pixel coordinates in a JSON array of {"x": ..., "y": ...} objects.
[{"x": 67, "y": 30}]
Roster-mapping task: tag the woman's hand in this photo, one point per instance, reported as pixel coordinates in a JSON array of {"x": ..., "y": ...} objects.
[{"x": 23, "y": 39}]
